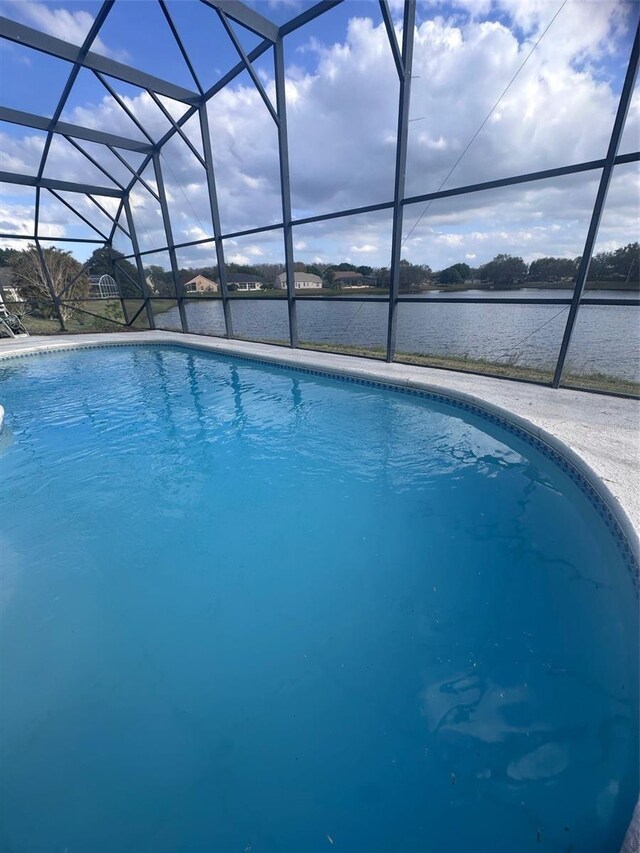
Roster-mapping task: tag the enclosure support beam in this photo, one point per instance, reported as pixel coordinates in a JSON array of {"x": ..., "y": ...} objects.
[
  {"x": 53, "y": 184},
  {"x": 130, "y": 277},
  {"x": 408, "y": 27},
  {"x": 601, "y": 197},
  {"x": 308, "y": 15},
  {"x": 215, "y": 218},
  {"x": 391, "y": 35},
  {"x": 113, "y": 219},
  {"x": 79, "y": 215},
  {"x": 77, "y": 131},
  {"x": 93, "y": 161},
  {"x": 136, "y": 250},
  {"x": 137, "y": 176},
  {"x": 285, "y": 189},
  {"x": 178, "y": 129},
  {"x": 125, "y": 109},
  {"x": 91, "y": 36},
  {"x": 164, "y": 207},
  {"x": 247, "y": 64},
  {"x": 61, "y": 49},
  {"x": 246, "y": 16},
  {"x": 36, "y": 215},
  {"x": 181, "y": 47},
  {"x": 217, "y": 87},
  {"x": 123, "y": 304},
  {"x": 591, "y": 165},
  {"x": 70, "y": 284}
]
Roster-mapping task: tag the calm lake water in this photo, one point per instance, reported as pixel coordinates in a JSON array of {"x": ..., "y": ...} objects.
[{"x": 606, "y": 339}]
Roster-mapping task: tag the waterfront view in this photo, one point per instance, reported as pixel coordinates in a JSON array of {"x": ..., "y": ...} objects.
[
  {"x": 511, "y": 337},
  {"x": 373, "y": 267}
]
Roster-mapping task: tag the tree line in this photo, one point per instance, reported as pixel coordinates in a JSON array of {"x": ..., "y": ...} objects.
[
  {"x": 69, "y": 279},
  {"x": 619, "y": 266}
]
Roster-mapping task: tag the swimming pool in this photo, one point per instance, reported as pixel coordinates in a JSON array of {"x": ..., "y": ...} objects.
[{"x": 246, "y": 608}]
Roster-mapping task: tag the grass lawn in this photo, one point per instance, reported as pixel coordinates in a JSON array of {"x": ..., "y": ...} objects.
[
  {"x": 586, "y": 381},
  {"x": 108, "y": 310}
]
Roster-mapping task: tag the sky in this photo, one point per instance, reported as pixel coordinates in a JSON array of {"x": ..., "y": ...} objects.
[{"x": 486, "y": 103}]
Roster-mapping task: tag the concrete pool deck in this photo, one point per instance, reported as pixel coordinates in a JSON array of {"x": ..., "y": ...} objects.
[{"x": 602, "y": 431}]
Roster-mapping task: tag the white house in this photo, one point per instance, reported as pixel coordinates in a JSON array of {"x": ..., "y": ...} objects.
[
  {"x": 244, "y": 282},
  {"x": 303, "y": 281},
  {"x": 353, "y": 280}
]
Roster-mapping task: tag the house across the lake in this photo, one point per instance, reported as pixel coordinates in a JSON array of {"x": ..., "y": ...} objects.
[
  {"x": 302, "y": 281},
  {"x": 240, "y": 281},
  {"x": 353, "y": 279},
  {"x": 200, "y": 284}
]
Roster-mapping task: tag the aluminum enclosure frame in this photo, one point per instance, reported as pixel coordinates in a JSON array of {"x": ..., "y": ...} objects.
[{"x": 228, "y": 13}]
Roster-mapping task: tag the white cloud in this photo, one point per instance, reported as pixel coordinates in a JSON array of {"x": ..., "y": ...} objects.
[
  {"x": 21, "y": 154},
  {"x": 290, "y": 4},
  {"x": 237, "y": 258},
  {"x": 16, "y": 217},
  {"x": 108, "y": 113},
  {"x": 342, "y": 115},
  {"x": 245, "y": 154},
  {"x": 69, "y": 25},
  {"x": 449, "y": 239}
]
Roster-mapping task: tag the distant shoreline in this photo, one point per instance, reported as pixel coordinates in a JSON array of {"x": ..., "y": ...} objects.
[{"x": 632, "y": 287}]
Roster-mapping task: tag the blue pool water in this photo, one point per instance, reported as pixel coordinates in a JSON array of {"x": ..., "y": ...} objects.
[{"x": 248, "y": 610}]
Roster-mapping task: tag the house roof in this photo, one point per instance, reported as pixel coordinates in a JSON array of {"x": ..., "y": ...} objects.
[
  {"x": 201, "y": 277},
  {"x": 302, "y": 276},
  {"x": 238, "y": 278},
  {"x": 349, "y": 274}
]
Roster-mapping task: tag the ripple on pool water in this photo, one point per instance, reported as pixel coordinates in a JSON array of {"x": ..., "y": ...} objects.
[{"x": 244, "y": 608}]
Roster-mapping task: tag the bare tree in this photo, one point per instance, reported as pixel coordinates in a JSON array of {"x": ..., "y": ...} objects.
[{"x": 64, "y": 272}]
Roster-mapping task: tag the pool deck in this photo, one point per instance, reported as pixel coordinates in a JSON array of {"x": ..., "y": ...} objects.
[{"x": 601, "y": 431}]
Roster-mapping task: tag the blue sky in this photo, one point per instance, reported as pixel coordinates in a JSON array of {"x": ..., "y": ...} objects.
[
  {"x": 342, "y": 108},
  {"x": 136, "y": 33}
]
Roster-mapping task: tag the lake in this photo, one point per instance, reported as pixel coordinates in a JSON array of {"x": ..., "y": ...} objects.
[{"x": 606, "y": 339}]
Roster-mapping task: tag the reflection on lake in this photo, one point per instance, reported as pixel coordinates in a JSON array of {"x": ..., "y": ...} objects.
[{"x": 605, "y": 341}]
